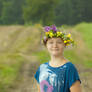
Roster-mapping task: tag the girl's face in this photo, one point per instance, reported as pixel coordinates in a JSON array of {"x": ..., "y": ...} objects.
[{"x": 55, "y": 46}]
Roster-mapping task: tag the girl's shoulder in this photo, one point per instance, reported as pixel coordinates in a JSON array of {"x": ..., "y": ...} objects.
[
  {"x": 43, "y": 65},
  {"x": 71, "y": 64},
  {"x": 72, "y": 67}
]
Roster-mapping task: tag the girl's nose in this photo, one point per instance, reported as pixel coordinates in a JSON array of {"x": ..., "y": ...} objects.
[{"x": 55, "y": 45}]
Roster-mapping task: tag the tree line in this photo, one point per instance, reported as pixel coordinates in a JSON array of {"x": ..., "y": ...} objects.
[{"x": 45, "y": 11}]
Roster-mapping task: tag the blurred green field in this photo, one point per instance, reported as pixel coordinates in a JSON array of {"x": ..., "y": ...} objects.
[
  {"x": 85, "y": 30},
  {"x": 16, "y": 41},
  {"x": 26, "y": 40},
  {"x": 10, "y": 65}
]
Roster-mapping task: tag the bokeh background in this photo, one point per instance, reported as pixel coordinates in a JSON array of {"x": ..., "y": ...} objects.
[{"x": 21, "y": 48}]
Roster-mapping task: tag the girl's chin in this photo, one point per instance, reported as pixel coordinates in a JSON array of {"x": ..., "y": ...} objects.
[{"x": 55, "y": 53}]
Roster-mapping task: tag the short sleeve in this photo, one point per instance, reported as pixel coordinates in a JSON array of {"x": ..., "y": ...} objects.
[
  {"x": 36, "y": 75},
  {"x": 73, "y": 75}
]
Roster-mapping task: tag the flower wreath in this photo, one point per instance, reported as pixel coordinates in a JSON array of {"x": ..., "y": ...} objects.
[{"x": 51, "y": 31}]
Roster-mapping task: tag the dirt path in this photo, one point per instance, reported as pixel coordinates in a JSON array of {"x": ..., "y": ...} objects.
[{"x": 25, "y": 82}]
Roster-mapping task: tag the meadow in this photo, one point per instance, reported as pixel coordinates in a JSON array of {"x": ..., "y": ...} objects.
[{"x": 19, "y": 41}]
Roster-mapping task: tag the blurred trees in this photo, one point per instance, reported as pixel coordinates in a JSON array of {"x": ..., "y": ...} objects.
[
  {"x": 45, "y": 11},
  {"x": 11, "y": 12},
  {"x": 1, "y": 6},
  {"x": 73, "y": 11},
  {"x": 39, "y": 11}
]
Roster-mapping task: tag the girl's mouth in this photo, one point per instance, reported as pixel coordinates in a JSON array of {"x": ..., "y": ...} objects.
[{"x": 55, "y": 49}]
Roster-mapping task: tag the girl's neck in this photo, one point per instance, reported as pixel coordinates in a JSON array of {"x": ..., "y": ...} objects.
[{"x": 58, "y": 59}]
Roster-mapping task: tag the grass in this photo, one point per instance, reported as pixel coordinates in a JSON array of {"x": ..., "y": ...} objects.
[
  {"x": 71, "y": 55},
  {"x": 43, "y": 56},
  {"x": 88, "y": 64},
  {"x": 28, "y": 42},
  {"x": 9, "y": 70},
  {"x": 21, "y": 40},
  {"x": 86, "y": 31}
]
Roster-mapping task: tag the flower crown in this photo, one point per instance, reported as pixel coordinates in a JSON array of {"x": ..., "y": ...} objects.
[{"x": 51, "y": 31}]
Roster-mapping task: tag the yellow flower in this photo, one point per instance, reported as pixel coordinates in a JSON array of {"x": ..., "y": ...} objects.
[
  {"x": 69, "y": 35},
  {"x": 47, "y": 33},
  {"x": 65, "y": 41},
  {"x": 59, "y": 33},
  {"x": 68, "y": 40},
  {"x": 51, "y": 34}
]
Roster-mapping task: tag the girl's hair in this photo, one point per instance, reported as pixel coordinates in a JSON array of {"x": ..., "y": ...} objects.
[{"x": 45, "y": 41}]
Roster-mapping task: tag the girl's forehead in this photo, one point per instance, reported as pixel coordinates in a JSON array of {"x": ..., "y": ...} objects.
[{"x": 55, "y": 39}]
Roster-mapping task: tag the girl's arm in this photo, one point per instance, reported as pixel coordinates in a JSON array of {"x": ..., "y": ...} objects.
[
  {"x": 76, "y": 87},
  {"x": 38, "y": 87}
]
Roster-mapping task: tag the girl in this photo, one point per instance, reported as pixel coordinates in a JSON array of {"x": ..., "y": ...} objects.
[{"x": 58, "y": 74}]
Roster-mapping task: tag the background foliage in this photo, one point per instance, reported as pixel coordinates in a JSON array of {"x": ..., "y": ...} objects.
[{"x": 45, "y": 11}]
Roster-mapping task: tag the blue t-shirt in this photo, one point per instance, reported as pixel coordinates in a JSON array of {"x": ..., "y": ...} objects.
[{"x": 56, "y": 79}]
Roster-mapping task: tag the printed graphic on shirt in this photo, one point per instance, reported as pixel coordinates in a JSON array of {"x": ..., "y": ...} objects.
[
  {"x": 49, "y": 80},
  {"x": 46, "y": 86}
]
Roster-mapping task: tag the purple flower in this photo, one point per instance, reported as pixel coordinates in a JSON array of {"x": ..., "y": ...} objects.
[
  {"x": 53, "y": 27},
  {"x": 47, "y": 28}
]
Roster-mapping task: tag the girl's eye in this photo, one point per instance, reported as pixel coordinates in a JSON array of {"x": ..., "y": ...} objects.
[
  {"x": 59, "y": 42},
  {"x": 56, "y": 42}
]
